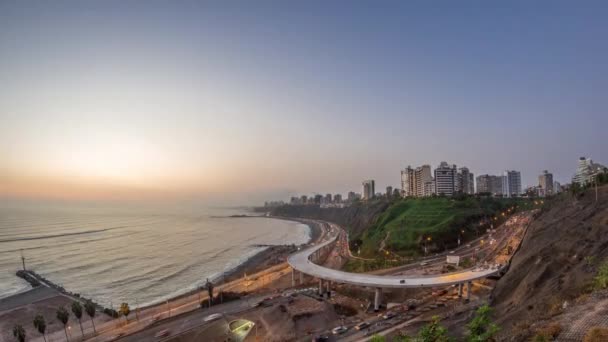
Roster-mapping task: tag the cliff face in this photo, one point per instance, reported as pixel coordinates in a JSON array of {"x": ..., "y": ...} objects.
[
  {"x": 556, "y": 262},
  {"x": 355, "y": 218}
]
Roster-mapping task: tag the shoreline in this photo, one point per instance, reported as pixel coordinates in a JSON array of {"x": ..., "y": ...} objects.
[
  {"x": 256, "y": 263},
  {"x": 266, "y": 258}
]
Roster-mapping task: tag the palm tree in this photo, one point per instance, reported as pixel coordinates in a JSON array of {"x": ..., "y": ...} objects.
[
  {"x": 89, "y": 308},
  {"x": 125, "y": 310},
  {"x": 63, "y": 316},
  {"x": 19, "y": 333},
  {"x": 77, "y": 310},
  {"x": 209, "y": 287},
  {"x": 40, "y": 325}
]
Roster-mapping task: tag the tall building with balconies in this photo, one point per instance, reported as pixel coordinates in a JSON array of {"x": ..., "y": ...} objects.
[
  {"x": 489, "y": 184},
  {"x": 369, "y": 189},
  {"x": 407, "y": 182},
  {"x": 511, "y": 183},
  {"x": 587, "y": 170},
  {"x": 545, "y": 182},
  {"x": 422, "y": 176},
  {"x": 465, "y": 181},
  {"x": 445, "y": 179}
]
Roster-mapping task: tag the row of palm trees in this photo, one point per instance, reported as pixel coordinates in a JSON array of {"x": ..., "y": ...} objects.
[{"x": 62, "y": 316}]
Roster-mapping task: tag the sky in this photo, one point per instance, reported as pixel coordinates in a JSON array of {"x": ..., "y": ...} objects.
[{"x": 240, "y": 101}]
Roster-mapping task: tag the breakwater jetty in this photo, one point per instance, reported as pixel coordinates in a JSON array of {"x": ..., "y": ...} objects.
[{"x": 36, "y": 280}]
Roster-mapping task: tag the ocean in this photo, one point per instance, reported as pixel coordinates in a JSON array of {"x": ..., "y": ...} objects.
[{"x": 132, "y": 255}]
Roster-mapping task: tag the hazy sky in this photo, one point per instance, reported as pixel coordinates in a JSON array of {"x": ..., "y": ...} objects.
[{"x": 242, "y": 101}]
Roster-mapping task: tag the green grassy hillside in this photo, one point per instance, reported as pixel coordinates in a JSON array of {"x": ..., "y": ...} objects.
[{"x": 408, "y": 224}]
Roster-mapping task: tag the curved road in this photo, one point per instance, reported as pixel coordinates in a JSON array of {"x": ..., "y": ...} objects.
[{"x": 301, "y": 262}]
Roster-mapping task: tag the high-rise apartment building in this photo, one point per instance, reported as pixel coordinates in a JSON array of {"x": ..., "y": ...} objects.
[
  {"x": 337, "y": 198},
  {"x": 414, "y": 181},
  {"x": 389, "y": 191},
  {"x": 407, "y": 182},
  {"x": 511, "y": 183},
  {"x": 328, "y": 198},
  {"x": 369, "y": 189},
  {"x": 545, "y": 182},
  {"x": 445, "y": 179},
  {"x": 465, "y": 181},
  {"x": 489, "y": 184},
  {"x": 587, "y": 170},
  {"x": 422, "y": 176}
]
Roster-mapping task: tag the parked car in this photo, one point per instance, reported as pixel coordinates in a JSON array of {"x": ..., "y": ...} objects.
[
  {"x": 321, "y": 338},
  {"x": 339, "y": 330},
  {"x": 361, "y": 325},
  {"x": 402, "y": 281}
]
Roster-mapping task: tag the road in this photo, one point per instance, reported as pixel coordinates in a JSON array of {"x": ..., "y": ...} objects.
[
  {"x": 193, "y": 319},
  {"x": 300, "y": 261}
]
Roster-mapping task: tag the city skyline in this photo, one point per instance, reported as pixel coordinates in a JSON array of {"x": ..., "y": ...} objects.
[{"x": 238, "y": 104}]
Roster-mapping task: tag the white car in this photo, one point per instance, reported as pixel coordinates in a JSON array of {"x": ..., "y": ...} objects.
[
  {"x": 212, "y": 317},
  {"x": 339, "y": 330}
]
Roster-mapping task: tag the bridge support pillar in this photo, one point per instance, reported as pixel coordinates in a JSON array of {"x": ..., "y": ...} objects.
[
  {"x": 460, "y": 290},
  {"x": 328, "y": 284},
  {"x": 320, "y": 287},
  {"x": 377, "y": 299},
  {"x": 468, "y": 290},
  {"x": 301, "y": 278},
  {"x": 293, "y": 277}
]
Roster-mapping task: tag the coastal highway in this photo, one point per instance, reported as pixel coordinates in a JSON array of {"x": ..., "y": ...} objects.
[{"x": 300, "y": 261}]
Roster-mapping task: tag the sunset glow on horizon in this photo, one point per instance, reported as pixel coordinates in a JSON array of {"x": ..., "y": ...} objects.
[{"x": 237, "y": 104}]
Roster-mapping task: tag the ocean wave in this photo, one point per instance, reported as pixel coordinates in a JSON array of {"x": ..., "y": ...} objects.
[{"x": 42, "y": 237}]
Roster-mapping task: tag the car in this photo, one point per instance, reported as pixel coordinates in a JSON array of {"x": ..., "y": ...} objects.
[
  {"x": 162, "y": 333},
  {"x": 361, "y": 325},
  {"x": 212, "y": 317},
  {"x": 321, "y": 338},
  {"x": 339, "y": 330},
  {"x": 451, "y": 252},
  {"x": 424, "y": 263},
  {"x": 389, "y": 315},
  {"x": 402, "y": 281}
]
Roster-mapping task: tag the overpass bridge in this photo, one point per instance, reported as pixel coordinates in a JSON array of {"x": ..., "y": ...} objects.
[{"x": 303, "y": 262}]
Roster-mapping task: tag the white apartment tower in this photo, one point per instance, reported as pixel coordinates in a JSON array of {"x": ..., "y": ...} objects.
[
  {"x": 445, "y": 179},
  {"x": 407, "y": 182},
  {"x": 369, "y": 189},
  {"x": 511, "y": 183}
]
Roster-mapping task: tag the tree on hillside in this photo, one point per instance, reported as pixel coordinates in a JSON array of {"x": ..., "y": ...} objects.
[
  {"x": 125, "y": 310},
  {"x": 209, "y": 287},
  {"x": 89, "y": 307},
  {"x": 19, "y": 333},
  {"x": 434, "y": 332},
  {"x": 77, "y": 310},
  {"x": 40, "y": 325},
  {"x": 63, "y": 316},
  {"x": 481, "y": 328}
]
